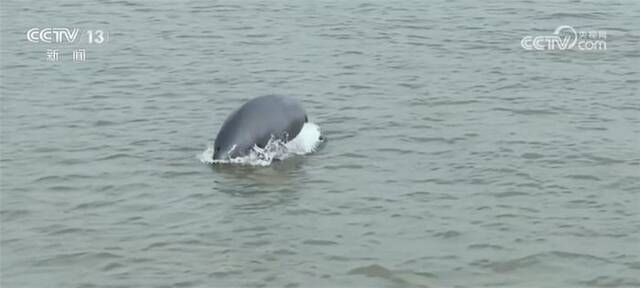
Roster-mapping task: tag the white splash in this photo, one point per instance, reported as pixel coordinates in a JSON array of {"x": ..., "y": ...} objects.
[{"x": 307, "y": 141}]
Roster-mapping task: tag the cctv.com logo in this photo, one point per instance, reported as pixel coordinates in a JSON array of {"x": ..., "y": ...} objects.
[{"x": 567, "y": 38}]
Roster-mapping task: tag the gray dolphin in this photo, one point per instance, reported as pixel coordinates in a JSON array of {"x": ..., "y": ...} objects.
[{"x": 255, "y": 122}]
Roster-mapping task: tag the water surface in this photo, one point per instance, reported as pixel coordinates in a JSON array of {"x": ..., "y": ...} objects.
[{"x": 455, "y": 158}]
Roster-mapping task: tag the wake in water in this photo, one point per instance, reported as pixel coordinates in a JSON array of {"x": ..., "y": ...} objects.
[{"x": 307, "y": 141}]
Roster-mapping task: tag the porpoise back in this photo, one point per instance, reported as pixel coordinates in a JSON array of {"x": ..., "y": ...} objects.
[{"x": 255, "y": 122}]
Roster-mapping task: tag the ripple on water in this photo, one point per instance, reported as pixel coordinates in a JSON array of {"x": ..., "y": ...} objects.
[
  {"x": 317, "y": 242},
  {"x": 402, "y": 278},
  {"x": 545, "y": 261}
]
